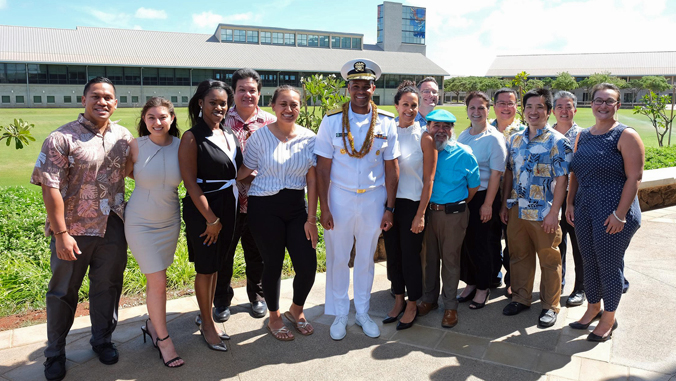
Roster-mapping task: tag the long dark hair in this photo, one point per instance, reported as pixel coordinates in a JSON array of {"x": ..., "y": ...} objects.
[
  {"x": 158, "y": 102},
  {"x": 202, "y": 90}
]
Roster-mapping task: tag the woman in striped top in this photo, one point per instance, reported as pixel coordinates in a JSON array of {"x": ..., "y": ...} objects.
[{"x": 282, "y": 154}]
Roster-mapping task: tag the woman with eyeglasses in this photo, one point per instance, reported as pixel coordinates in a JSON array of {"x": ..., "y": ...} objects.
[{"x": 603, "y": 206}]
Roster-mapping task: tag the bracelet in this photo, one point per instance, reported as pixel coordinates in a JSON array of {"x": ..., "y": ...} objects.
[
  {"x": 61, "y": 232},
  {"x": 215, "y": 222},
  {"x": 309, "y": 217},
  {"x": 618, "y": 218}
]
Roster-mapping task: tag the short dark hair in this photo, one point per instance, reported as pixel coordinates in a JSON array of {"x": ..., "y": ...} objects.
[
  {"x": 281, "y": 89},
  {"x": 605, "y": 86},
  {"x": 98, "y": 80},
  {"x": 244, "y": 74},
  {"x": 406, "y": 87},
  {"x": 427, "y": 79},
  {"x": 544, "y": 93},
  {"x": 202, "y": 90},
  {"x": 477, "y": 94},
  {"x": 503, "y": 91},
  {"x": 158, "y": 102}
]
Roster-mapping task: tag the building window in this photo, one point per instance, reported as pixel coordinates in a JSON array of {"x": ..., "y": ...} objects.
[
  {"x": 78, "y": 99},
  {"x": 174, "y": 99},
  {"x": 77, "y": 75},
  {"x": 356, "y": 43},
  {"x": 6, "y": 99},
  {"x": 37, "y": 73},
  {"x": 239, "y": 35},
  {"x": 289, "y": 39},
  {"x": 134, "y": 99},
  {"x": 37, "y": 99},
  {"x": 324, "y": 41},
  {"x": 345, "y": 43},
  {"x": 19, "y": 99},
  {"x": 166, "y": 77},
  {"x": 302, "y": 40},
  {"x": 266, "y": 38},
  {"x": 413, "y": 25},
  {"x": 379, "y": 24},
  {"x": 268, "y": 79},
  {"x": 132, "y": 75},
  {"x": 150, "y": 76},
  {"x": 226, "y": 35},
  {"x": 252, "y": 36},
  {"x": 184, "y": 99},
  {"x": 199, "y": 75},
  {"x": 148, "y": 97},
  {"x": 123, "y": 99},
  {"x": 12, "y": 73},
  {"x": 58, "y": 74},
  {"x": 95, "y": 71},
  {"x": 50, "y": 99},
  {"x": 313, "y": 40},
  {"x": 67, "y": 99},
  {"x": 278, "y": 38},
  {"x": 115, "y": 74},
  {"x": 335, "y": 42}
]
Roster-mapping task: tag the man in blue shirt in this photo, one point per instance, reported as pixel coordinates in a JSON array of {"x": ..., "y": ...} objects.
[
  {"x": 456, "y": 180},
  {"x": 534, "y": 188}
]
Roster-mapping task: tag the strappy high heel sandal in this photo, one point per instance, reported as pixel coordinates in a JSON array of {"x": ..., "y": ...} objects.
[
  {"x": 146, "y": 331},
  {"x": 166, "y": 363}
]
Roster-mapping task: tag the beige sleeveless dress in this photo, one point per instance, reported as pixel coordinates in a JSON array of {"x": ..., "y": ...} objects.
[{"x": 152, "y": 219}]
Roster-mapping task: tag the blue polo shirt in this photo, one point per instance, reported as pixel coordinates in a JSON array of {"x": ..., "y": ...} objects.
[{"x": 457, "y": 170}]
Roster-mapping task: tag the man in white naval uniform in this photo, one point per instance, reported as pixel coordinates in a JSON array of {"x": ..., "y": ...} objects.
[{"x": 357, "y": 170}]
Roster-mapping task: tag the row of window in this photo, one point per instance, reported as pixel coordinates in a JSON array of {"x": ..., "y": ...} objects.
[
  {"x": 68, "y": 99},
  {"x": 290, "y": 39}
]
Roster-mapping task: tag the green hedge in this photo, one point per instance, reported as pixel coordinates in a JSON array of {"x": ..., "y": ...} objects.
[{"x": 660, "y": 157}]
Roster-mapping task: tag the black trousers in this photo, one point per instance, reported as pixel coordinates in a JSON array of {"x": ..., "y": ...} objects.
[
  {"x": 106, "y": 259},
  {"x": 501, "y": 257},
  {"x": 567, "y": 229},
  {"x": 479, "y": 249},
  {"x": 253, "y": 270},
  {"x": 403, "y": 249},
  {"x": 277, "y": 223}
]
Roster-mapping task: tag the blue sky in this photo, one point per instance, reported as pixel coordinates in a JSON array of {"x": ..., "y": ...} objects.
[{"x": 463, "y": 37}]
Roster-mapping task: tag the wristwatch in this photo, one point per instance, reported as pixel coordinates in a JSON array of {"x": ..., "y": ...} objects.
[{"x": 387, "y": 208}]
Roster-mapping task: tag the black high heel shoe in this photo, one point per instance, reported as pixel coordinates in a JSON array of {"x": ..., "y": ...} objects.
[
  {"x": 198, "y": 322},
  {"x": 477, "y": 306},
  {"x": 390, "y": 319},
  {"x": 216, "y": 347},
  {"x": 601, "y": 339},
  {"x": 166, "y": 363},
  {"x": 470, "y": 296},
  {"x": 145, "y": 331},
  {"x": 578, "y": 325},
  {"x": 402, "y": 326}
]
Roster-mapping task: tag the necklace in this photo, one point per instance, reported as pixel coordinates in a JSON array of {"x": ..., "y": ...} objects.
[{"x": 368, "y": 141}]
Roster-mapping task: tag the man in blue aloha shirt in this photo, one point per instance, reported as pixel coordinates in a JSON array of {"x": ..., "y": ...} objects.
[{"x": 535, "y": 185}]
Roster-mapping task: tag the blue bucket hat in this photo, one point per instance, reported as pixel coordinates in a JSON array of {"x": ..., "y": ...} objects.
[{"x": 440, "y": 116}]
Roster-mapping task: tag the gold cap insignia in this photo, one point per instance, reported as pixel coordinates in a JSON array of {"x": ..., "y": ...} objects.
[{"x": 359, "y": 66}]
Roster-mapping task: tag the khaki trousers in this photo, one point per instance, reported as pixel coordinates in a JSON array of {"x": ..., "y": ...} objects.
[
  {"x": 444, "y": 234},
  {"x": 525, "y": 239}
]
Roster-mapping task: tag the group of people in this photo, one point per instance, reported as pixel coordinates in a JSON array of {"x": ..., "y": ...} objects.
[{"x": 441, "y": 203}]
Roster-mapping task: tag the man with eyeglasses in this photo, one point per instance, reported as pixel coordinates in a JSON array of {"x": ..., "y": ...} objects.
[
  {"x": 534, "y": 188},
  {"x": 429, "y": 98}
]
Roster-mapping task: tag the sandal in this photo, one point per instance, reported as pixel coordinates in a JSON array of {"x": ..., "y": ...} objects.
[
  {"x": 276, "y": 333},
  {"x": 300, "y": 325},
  {"x": 166, "y": 363}
]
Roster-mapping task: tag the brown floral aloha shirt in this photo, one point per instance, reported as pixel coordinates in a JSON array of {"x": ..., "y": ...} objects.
[{"x": 88, "y": 168}]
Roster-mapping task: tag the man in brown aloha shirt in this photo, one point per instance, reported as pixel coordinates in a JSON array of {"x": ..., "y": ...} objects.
[{"x": 81, "y": 169}]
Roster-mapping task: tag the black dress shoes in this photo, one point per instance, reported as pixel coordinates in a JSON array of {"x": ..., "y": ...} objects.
[
  {"x": 576, "y": 298},
  {"x": 401, "y": 326},
  {"x": 470, "y": 296},
  {"x": 55, "y": 368},
  {"x": 600, "y": 339},
  {"x": 514, "y": 308},
  {"x": 107, "y": 353},
  {"x": 221, "y": 314},
  {"x": 547, "y": 318},
  {"x": 389, "y": 319},
  {"x": 578, "y": 325},
  {"x": 258, "y": 309}
]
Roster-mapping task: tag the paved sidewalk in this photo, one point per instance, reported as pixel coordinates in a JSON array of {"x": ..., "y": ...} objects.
[{"x": 484, "y": 345}]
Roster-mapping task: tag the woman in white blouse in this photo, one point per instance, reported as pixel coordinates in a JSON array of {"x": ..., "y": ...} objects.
[
  {"x": 282, "y": 154},
  {"x": 403, "y": 242}
]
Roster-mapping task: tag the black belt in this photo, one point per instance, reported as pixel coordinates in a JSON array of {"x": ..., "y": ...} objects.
[{"x": 438, "y": 207}]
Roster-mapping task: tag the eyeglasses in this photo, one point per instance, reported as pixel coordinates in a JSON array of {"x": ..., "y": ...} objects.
[
  {"x": 609, "y": 101},
  {"x": 505, "y": 104},
  {"x": 428, "y": 92}
]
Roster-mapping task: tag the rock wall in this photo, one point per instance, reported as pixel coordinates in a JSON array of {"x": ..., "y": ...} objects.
[{"x": 657, "y": 197}]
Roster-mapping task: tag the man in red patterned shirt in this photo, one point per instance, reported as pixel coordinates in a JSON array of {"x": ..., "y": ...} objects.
[{"x": 244, "y": 118}]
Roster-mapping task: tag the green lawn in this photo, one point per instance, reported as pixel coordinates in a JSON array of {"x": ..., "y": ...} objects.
[{"x": 16, "y": 165}]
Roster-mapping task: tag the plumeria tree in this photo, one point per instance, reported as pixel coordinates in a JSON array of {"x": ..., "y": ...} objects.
[
  {"x": 320, "y": 94},
  {"x": 19, "y": 131}
]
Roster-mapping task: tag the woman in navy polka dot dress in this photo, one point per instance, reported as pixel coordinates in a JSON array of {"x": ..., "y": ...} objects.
[{"x": 602, "y": 205}]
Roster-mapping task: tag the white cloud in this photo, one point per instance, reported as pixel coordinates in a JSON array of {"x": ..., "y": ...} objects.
[
  {"x": 209, "y": 20},
  {"x": 3, "y": 4},
  {"x": 137, "y": 27},
  {"x": 110, "y": 19},
  {"x": 147, "y": 13}
]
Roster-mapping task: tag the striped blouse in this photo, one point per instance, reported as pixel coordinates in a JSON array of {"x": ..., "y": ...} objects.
[{"x": 279, "y": 165}]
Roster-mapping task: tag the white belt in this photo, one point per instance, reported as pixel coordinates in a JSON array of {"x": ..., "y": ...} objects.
[
  {"x": 359, "y": 191},
  {"x": 226, "y": 184}
]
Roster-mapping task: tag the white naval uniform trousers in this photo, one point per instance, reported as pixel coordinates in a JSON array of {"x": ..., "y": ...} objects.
[{"x": 357, "y": 197}]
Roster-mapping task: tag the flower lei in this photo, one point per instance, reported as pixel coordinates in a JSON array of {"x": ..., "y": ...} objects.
[{"x": 368, "y": 141}]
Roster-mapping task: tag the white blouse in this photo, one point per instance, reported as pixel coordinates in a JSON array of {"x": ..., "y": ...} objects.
[
  {"x": 410, "y": 162},
  {"x": 280, "y": 165}
]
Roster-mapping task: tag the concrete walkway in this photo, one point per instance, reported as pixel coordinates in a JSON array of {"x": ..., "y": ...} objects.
[{"x": 484, "y": 345}]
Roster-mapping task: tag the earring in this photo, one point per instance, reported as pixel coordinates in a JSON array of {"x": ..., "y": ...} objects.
[{"x": 200, "y": 115}]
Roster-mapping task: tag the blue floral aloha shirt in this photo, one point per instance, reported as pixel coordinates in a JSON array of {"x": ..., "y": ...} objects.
[{"x": 535, "y": 164}]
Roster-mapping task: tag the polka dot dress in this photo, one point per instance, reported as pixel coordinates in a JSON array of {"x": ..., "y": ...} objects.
[{"x": 599, "y": 168}]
